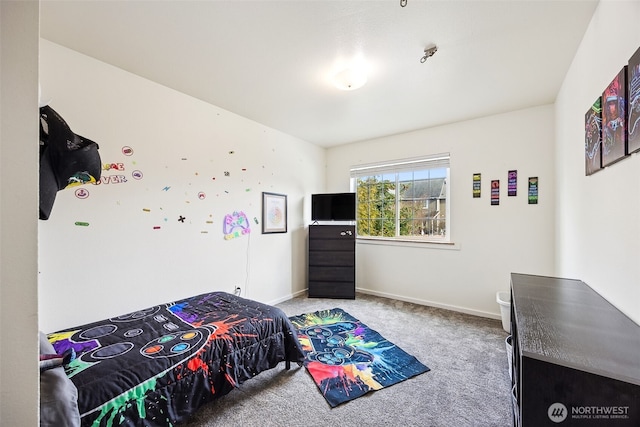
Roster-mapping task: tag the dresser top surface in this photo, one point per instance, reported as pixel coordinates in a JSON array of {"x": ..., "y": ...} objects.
[{"x": 565, "y": 321}]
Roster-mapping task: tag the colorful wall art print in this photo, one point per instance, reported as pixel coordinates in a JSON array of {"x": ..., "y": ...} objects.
[
  {"x": 476, "y": 185},
  {"x": 274, "y": 213},
  {"x": 512, "y": 183},
  {"x": 593, "y": 138},
  {"x": 533, "y": 190},
  {"x": 633, "y": 94},
  {"x": 614, "y": 130},
  {"x": 495, "y": 192}
]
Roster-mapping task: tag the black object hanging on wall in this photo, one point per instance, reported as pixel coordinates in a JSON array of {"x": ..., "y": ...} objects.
[{"x": 66, "y": 159}]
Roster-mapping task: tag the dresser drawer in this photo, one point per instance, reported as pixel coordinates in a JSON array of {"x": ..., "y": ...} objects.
[
  {"x": 332, "y": 290},
  {"x": 332, "y": 245},
  {"x": 347, "y": 232},
  {"x": 332, "y": 274},
  {"x": 338, "y": 259}
]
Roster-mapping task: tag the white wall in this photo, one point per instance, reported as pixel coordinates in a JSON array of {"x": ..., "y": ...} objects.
[
  {"x": 598, "y": 217},
  {"x": 18, "y": 213},
  {"x": 119, "y": 262},
  {"x": 490, "y": 241}
]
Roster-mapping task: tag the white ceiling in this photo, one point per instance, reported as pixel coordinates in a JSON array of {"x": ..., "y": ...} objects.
[{"x": 269, "y": 60}]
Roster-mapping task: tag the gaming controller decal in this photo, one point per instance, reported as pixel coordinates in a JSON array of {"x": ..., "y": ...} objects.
[{"x": 235, "y": 225}]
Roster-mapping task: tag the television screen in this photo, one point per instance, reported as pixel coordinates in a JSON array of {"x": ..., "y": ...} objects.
[{"x": 333, "y": 207}]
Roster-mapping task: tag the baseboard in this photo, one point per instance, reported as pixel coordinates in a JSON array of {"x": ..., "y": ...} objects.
[
  {"x": 431, "y": 304},
  {"x": 479, "y": 313},
  {"x": 287, "y": 297}
]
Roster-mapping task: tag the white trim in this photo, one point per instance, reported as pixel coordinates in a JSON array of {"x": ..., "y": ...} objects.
[
  {"x": 478, "y": 313},
  {"x": 287, "y": 297},
  {"x": 408, "y": 242},
  {"x": 415, "y": 163},
  {"x": 496, "y": 316}
]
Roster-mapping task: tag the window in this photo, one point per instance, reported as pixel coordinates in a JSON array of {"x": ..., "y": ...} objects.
[{"x": 403, "y": 199}]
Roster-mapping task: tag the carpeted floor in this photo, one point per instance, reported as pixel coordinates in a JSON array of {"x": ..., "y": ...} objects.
[{"x": 468, "y": 384}]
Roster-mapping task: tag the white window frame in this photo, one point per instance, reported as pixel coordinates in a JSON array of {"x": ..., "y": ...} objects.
[{"x": 396, "y": 167}]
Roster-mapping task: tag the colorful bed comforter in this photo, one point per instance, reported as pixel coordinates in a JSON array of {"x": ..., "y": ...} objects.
[{"x": 155, "y": 367}]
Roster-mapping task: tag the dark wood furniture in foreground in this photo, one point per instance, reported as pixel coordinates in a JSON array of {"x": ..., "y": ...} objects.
[{"x": 576, "y": 357}]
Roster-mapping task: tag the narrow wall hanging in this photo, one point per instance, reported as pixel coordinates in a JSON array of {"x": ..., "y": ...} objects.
[
  {"x": 477, "y": 185},
  {"x": 512, "y": 183},
  {"x": 495, "y": 192},
  {"x": 533, "y": 190},
  {"x": 593, "y": 138},
  {"x": 614, "y": 130}
]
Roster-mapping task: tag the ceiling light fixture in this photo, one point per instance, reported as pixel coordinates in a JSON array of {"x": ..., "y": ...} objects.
[
  {"x": 350, "y": 78},
  {"x": 428, "y": 53}
]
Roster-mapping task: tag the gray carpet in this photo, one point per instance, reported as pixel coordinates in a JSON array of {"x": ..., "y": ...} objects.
[{"x": 468, "y": 384}]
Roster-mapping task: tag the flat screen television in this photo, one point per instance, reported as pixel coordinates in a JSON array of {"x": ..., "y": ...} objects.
[{"x": 333, "y": 207}]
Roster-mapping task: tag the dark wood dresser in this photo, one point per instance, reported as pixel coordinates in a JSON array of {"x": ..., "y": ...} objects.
[
  {"x": 332, "y": 261},
  {"x": 576, "y": 357}
]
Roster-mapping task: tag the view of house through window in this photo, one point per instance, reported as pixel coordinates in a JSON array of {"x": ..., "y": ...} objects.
[{"x": 403, "y": 198}]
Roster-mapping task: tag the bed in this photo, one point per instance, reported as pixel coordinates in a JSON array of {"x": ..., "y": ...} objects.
[{"x": 156, "y": 366}]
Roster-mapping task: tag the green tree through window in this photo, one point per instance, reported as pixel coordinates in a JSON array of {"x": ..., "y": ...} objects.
[{"x": 409, "y": 200}]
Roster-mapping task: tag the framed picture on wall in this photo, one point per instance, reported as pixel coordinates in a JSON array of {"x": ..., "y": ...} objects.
[
  {"x": 633, "y": 95},
  {"x": 274, "y": 213},
  {"x": 593, "y": 138},
  {"x": 614, "y": 128}
]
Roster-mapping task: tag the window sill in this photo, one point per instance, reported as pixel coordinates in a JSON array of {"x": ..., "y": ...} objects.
[{"x": 408, "y": 242}]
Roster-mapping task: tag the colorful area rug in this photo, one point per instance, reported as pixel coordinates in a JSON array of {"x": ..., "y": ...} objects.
[{"x": 347, "y": 359}]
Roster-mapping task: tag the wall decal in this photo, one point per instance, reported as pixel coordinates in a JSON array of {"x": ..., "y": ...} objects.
[
  {"x": 235, "y": 225},
  {"x": 81, "y": 193},
  {"x": 127, "y": 151},
  {"x": 113, "y": 166},
  {"x": 136, "y": 174},
  {"x": 112, "y": 179}
]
